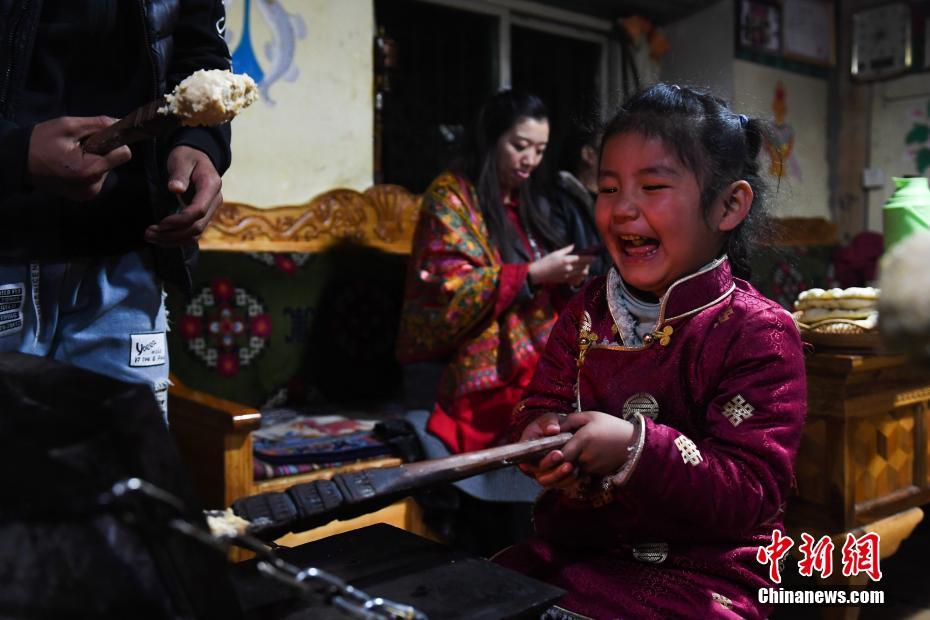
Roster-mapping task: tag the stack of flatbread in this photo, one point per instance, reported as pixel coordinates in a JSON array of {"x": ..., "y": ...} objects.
[{"x": 838, "y": 311}]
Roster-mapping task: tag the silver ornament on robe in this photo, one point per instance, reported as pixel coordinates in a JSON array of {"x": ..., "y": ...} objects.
[
  {"x": 644, "y": 404},
  {"x": 652, "y": 553}
]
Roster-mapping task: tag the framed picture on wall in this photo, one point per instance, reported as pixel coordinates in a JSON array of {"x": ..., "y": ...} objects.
[
  {"x": 759, "y": 26},
  {"x": 808, "y": 31}
]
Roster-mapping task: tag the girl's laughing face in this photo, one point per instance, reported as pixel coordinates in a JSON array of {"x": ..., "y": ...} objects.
[{"x": 648, "y": 212}]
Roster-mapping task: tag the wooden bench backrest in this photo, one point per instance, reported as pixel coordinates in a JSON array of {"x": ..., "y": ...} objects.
[{"x": 381, "y": 217}]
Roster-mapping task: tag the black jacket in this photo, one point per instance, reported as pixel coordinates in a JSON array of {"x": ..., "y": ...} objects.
[
  {"x": 574, "y": 214},
  {"x": 179, "y": 37}
]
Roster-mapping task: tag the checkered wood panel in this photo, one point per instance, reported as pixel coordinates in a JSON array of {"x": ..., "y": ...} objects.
[
  {"x": 811, "y": 463},
  {"x": 881, "y": 451}
]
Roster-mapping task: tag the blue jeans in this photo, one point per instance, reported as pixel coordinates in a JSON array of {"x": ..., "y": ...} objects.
[{"x": 106, "y": 315}]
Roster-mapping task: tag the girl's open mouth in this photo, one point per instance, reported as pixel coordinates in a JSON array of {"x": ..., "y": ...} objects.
[{"x": 638, "y": 246}]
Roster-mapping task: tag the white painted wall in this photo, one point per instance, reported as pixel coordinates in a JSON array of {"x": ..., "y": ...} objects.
[
  {"x": 897, "y": 107},
  {"x": 701, "y": 50},
  {"x": 701, "y": 53},
  {"x": 317, "y": 135}
]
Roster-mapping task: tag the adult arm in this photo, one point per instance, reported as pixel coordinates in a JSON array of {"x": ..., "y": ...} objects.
[
  {"x": 199, "y": 44},
  {"x": 196, "y": 157}
]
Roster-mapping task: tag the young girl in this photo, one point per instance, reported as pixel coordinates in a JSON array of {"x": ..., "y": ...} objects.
[{"x": 684, "y": 386}]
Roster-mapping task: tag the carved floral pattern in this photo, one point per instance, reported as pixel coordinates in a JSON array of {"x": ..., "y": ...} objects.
[{"x": 384, "y": 217}]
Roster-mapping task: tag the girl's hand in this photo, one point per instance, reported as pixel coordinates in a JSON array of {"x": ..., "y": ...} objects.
[
  {"x": 551, "y": 470},
  {"x": 561, "y": 267},
  {"x": 600, "y": 443}
]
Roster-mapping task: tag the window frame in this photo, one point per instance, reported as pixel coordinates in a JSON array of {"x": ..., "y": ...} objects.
[{"x": 532, "y": 15}]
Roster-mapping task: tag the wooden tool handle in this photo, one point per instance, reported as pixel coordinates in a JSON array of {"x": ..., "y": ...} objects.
[
  {"x": 350, "y": 494},
  {"x": 366, "y": 484},
  {"x": 471, "y": 463},
  {"x": 143, "y": 122}
]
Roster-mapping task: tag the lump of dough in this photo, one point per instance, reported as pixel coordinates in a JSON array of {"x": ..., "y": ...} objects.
[{"x": 210, "y": 97}]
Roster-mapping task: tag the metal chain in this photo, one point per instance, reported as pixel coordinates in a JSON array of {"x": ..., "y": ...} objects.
[{"x": 311, "y": 583}]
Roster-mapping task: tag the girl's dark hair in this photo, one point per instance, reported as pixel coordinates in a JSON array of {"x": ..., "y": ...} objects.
[
  {"x": 479, "y": 165},
  {"x": 718, "y": 145}
]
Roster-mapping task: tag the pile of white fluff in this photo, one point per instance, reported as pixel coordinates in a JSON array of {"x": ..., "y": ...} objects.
[
  {"x": 904, "y": 305},
  {"x": 225, "y": 523},
  {"x": 210, "y": 97}
]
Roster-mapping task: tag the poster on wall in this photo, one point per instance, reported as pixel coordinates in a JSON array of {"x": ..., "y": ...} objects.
[
  {"x": 782, "y": 160},
  {"x": 808, "y": 33},
  {"x": 759, "y": 26}
]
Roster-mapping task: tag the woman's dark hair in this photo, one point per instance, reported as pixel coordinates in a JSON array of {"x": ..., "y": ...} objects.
[
  {"x": 479, "y": 165},
  {"x": 718, "y": 145}
]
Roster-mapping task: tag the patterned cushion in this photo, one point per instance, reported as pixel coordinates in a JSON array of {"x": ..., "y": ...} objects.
[{"x": 270, "y": 329}]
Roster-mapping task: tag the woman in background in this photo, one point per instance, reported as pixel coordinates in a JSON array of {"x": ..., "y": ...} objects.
[
  {"x": 485, "y": 258},
  {"x": 478, "y": 302}
]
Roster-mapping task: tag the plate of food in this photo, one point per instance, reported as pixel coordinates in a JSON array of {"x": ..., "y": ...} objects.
[{"x": 839, "y": 318}]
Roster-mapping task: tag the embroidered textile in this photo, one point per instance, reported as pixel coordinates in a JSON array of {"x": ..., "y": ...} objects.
[
  {"x": 737, "y": 410},
  {"x": 463, "y": 306},
  {"x": 689, "y": 451}
]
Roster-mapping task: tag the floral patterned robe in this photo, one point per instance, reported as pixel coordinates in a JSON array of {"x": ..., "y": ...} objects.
[
  {"x": 464, "y": 306},
  {"x": 720, "y": 391}
]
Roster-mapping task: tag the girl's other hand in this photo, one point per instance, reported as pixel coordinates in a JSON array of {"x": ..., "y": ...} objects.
[
  {"x": 561, "y": 267},
  {"x": 599, "y": 446},
  {"x": 545, "y": 425},
  {"x": 551, "y": 470}
]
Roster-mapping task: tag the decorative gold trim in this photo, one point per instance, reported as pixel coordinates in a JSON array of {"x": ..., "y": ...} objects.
[
  {"x": 659, "y": 335},
  {"x": 902, "y": 399},
  {"x": 382, "y": 217},
  {"x": 704, "y": 307}
]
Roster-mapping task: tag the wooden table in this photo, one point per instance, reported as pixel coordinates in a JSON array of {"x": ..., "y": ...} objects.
[{"x": 864, "y": 461}]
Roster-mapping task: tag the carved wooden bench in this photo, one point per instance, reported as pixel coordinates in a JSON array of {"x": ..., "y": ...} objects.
[{"x": 214, "y": 433}]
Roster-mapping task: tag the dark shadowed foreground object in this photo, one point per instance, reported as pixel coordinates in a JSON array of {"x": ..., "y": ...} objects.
[
  {"x": 442, "y": 583},
  {"x": 312, "y": 504},
  {"x": 66, "y": 436}
]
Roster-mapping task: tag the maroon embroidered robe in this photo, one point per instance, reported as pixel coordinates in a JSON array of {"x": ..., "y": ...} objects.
[{"x": 678, "y": 538}]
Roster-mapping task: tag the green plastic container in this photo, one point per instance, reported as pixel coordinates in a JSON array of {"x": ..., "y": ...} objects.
[{"x": 907, "y": 210}]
